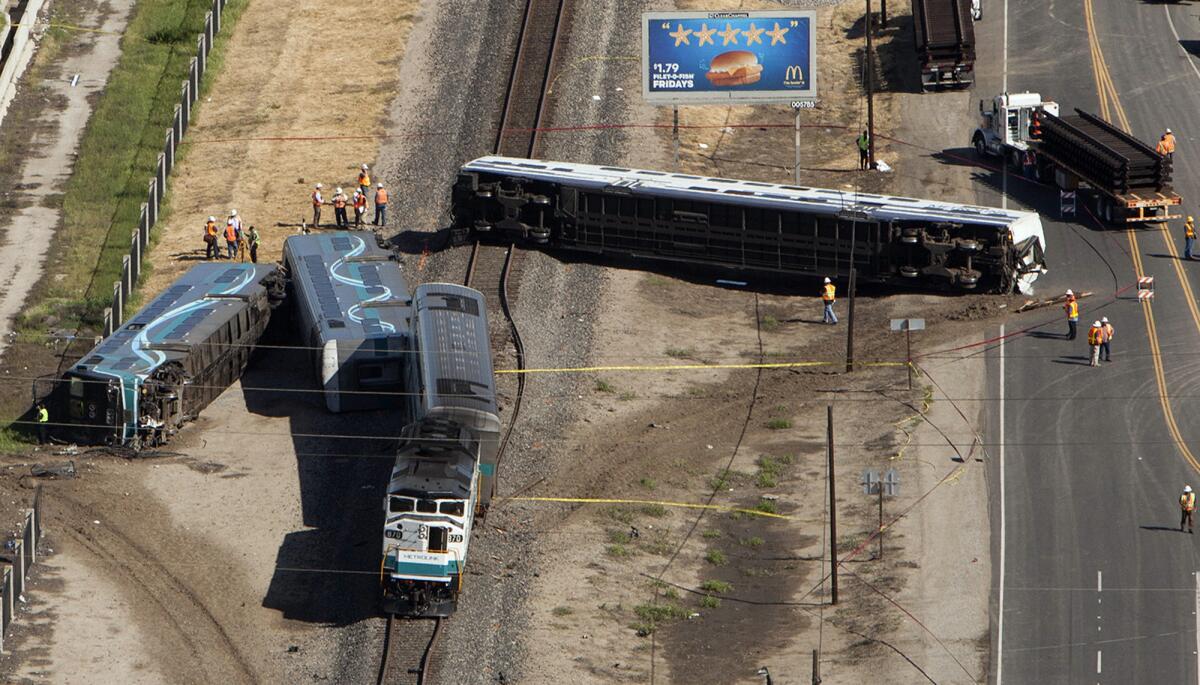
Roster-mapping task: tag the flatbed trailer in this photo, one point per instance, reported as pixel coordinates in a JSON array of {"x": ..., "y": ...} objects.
[
  {"x": 944, "y": 35},
  {"x": 1131, "y": 182}
]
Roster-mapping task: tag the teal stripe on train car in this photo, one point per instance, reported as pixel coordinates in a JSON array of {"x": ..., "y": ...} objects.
[{"x": 408, "y": 568}]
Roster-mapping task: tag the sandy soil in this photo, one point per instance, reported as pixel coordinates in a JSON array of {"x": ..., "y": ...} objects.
[{"x": 299, "y": 103}]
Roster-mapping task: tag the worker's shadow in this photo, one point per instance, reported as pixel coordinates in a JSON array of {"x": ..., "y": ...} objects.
[
  {"x": 1044, "y": 335},
  {"x": 1077, "y": 361},
  {"x": 1162, "y": 528}
]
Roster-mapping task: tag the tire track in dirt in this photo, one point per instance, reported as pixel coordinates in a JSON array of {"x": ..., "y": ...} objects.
[{"x": 215, "y": 658}]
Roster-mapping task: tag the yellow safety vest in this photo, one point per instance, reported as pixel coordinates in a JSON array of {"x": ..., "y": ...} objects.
[
  {"x": 1187, "y": 501},
  {"x": 1095, "y": 335},
  {"x": 827, "y": 293},
  {"x": 1072, "y": 310},
  {"x": 1189, "y": 230}
]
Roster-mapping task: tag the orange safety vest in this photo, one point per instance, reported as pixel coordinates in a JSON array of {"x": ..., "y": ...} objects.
[
  {"x": 1108, "y": 331},
  {"x": 360, "y": 201},
  {"x": 1095, "y": 335},
  {"x": 364, "y": 179},
  {"x": 1187, "y": 501},
  {"x": 1189, "y": 230},
  {"x": 230, "y": 233},
  {"x": 828, "y": 292},
  {"x": 1072, "y": 308},
  {"x": 210, "y": 228},
  {"x": 381, "y": 197},
  {"x": 1168, "y": 142},
  {"x": 316, "y": 198},
  {"x": 339, "y": 201}
]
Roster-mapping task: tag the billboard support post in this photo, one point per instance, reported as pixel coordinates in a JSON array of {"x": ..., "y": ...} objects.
[
  {"x": 675, "y": 137},
  {"x": 797, "y": 146},
  {"x": 870, "y": 67}
]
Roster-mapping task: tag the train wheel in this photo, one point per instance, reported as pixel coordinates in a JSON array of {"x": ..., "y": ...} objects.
[
  {"x": 909, "y": 272},
  {"x": 968, "y": 281}
]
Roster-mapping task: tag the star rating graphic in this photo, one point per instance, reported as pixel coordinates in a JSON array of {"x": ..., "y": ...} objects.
[
  {"x": 680, "y": 35},
  {"x": 705, "y": 34},
  {"x": 777, "y": 34},
  {"x": 753, "y": 35},
  {"x": 729, "y": 35}
]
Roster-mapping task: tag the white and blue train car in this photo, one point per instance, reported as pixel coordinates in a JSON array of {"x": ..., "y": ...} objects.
[
  {"x": 352, "y": 309},
  {"x": 779, "y": 233},
  {"x": 446, "y": 465},
  {"x": 172, "y": 358}
]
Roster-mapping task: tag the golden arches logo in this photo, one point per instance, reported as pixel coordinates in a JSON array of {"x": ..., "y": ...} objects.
[{"x": 793, "y": 75}]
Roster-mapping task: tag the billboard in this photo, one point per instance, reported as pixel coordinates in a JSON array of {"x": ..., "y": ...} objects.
[{"x": 728, "y": 57}]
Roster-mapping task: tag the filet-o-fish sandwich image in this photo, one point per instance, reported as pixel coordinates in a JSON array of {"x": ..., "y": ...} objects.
[{"x": 734, "y": 68}]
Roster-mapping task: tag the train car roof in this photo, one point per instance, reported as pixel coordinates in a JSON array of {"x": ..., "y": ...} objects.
[
  {"x": 433, "y": 471},
  {"x": 456, "y": 353},
  {"x": 355, "y": 288},
  {"x": 189, "y": 310},
  {"x": 752, "y": 193}
]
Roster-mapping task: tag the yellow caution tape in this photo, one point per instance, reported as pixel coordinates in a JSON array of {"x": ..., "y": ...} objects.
[{"x": 684, "y": 505}]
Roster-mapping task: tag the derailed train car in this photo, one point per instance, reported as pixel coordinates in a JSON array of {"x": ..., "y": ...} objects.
[
  {"x": 172, "y": 358},
  {"x": 446, "y": 465},
  {"x": 352, "y": 309},
  {"x": 777, "y": 232}
]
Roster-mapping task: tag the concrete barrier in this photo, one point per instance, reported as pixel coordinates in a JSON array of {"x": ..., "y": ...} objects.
[{"x": 17, "y": 59}]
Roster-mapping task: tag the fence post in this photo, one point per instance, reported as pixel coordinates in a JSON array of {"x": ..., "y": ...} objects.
[
  {"x": 202, "y": 57},
  {"x": 152, "y": 202},
  {"x": 19, "y": 567},
  {"x": 169, "y": 144},
  {"x": 118, "y": 304},
  {"x": 185, "y": 102},
  {"x": 209, "y": 32},
  {"x": 161, "y": 177},
  {"x": 6, "y": 611},
  {"x": 126, "y": 278},
  {"x": 135, "y": 256},
  {"x": 37, "y": 510},
  {"x": 143, "y": 226},
  {"x": 193, "y": 82},
  {"x": 27, "y": 538},
  {"x": 108, "y": 322},
  {"x": 216, "y": 15}
]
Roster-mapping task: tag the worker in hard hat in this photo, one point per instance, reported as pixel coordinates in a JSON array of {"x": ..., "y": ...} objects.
[
  {"x": 1166, "y": 145},
  {"x": 381, "y": 203},
  {"x": 211, "y": 249},
  {"x": 1095, "y": 337},
  {"x": 1189, "y": 237},
  {"x": 317, "y": 201},
  {"x": 828, "y": 297},
  {"x": 364, "y": 180},
  {"x": 339, "y": 209},
  {"x": 1187, "y": 505},
  {"x": 1106, "y": 340},
  {"x": 1071, "y": 307}
]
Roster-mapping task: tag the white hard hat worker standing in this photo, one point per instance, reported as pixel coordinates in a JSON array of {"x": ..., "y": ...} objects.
[
  {"x": 828, "y": 297},
  {"x": 1106, "y": 336},
  {"x": 1187, "y": 505},
  {"x": 1095, "y": 337}
]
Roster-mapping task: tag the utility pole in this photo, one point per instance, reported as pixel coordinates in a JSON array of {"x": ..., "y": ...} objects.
[
  {"x": 850, "y": 323},
  {"x": 833, "y": 554},
  {"x": 880, "y": 556},
  {"x": 882, "y": 14},
  {"x": 797, "y": 146},
  {"x": 816, "y": 674},
  {"x": 870, "y": 69},
  {"x": 675, "y": 137}
]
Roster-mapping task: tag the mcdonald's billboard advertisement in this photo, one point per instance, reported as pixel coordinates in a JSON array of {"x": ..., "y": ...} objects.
[{"x": 691, "y": 58}]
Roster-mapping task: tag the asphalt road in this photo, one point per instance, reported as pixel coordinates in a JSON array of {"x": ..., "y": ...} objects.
[{"x": 1098, "y": 584}]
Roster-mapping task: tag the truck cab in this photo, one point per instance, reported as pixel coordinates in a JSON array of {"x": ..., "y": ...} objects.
[{"x": 1004, "y": 130}]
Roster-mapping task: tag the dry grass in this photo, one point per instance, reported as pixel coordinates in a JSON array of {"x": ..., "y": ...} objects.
[{"x": 316, "y": 74}]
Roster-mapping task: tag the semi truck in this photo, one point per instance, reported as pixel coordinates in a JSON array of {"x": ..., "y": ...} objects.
[
  {"x": 945, "y": 41},
  {"x": 1128, "y": 181}
]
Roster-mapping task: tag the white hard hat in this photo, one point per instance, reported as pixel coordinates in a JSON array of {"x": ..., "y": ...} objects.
[
  {"x": 1095, "y": 324},
  {"x": 339, "y": 191},
  {"x": 365, "y": 167},
  {"x": 378, "y": 185},
  {"x": 1168, "y": 130},
  {"x": 212, "y": 218},
  {"x": 319, "y": 185},
  {"x": 233, "y": 212},
  {"x": 1187, "y": 488},
  {"x": 1104, "y": 319},
  {"x": 827, "y": 280},
  {"x": 1069, "y": 292}
]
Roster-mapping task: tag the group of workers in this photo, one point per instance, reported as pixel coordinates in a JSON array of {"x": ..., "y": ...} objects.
[
  {"x": 358, "y": 201},
  {"x": 1100, "y": 335},
  {"x": 237, "y": 241}
]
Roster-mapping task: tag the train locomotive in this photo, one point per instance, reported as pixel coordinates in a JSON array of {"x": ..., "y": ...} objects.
[
  {"x": 172, "y": 358},
  {"x": 748, "y": 229},
  {"x": 446, "y": 463}
]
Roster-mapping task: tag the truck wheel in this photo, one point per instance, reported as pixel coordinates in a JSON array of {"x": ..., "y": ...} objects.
[{"x": 980, "y": 147}]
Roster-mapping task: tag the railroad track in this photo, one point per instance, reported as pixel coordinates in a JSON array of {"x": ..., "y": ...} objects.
[
  {"x": 495, "y": 270},
  {"x": 408, "y": 646}
]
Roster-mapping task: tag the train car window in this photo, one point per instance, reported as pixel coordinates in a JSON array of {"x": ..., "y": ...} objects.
[
  {"x": 399, "y": 505},
  {"x": 76, "y": 387},
  {"x": 645, "y": 208},
  {"x": 626, "y": 206},
  {"x": 437, "y": 538},
  {"x": 426, "y": 506},
  {"x": 452, "y": 508}
]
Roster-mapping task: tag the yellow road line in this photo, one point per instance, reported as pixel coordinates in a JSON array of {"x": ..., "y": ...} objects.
[
  {"x": 1108, "y": 92},
  {"x": 684, "y": 505}
]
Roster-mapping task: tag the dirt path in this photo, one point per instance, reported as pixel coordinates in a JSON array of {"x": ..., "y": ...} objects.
[{"x": 29, "y": 229}]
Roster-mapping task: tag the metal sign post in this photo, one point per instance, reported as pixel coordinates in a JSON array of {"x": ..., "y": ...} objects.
[
  {"x": 799, "y": 105},
  {"x": 675, "y": 137},
  {"x": 873, "y": 484},
  {"x": 908, "y": 326}
]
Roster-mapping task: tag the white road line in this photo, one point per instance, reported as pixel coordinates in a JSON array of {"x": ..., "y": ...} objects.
[
  {"x": 1000, "y": 452},
  {"x": 1099, "y": 581},
  {"x": 1098, "y": 661},
  {"x": 1179, "y": 42}
]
